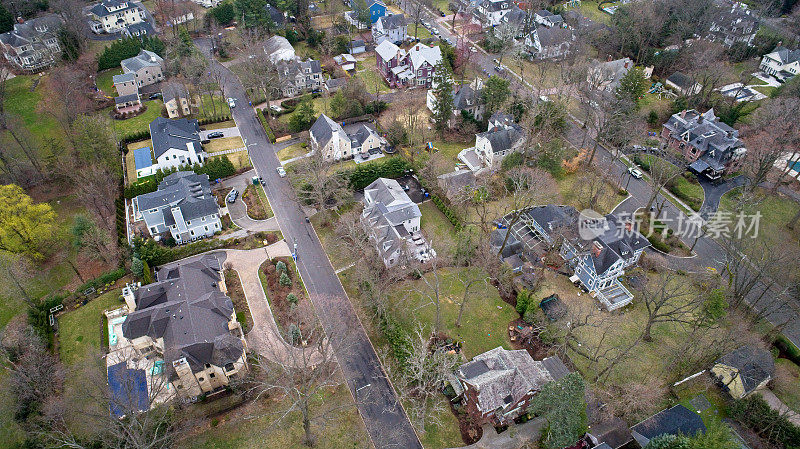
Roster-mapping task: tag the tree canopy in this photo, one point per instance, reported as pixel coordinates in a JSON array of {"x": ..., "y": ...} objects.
[
  {"x": 443, "y": 95},
  {"x": 25, "y": 226},
  {"x": 633, "y": 85},
  {"x": 495, "y": 93},
  {"x": 563, "y": 405}
]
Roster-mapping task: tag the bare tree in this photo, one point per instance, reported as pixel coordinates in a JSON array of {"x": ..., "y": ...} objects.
[
  {"x": 668, "y": 298},
  {"x": 661, "y": 173},
  {"x": 17, "y": 270},
  {"x": 770, "y": 135},
  {"x": 526, "y": 187},
  {"x": 320, "y": 183}
]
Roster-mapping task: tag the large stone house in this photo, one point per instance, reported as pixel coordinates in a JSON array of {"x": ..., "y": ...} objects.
[
  {"x": 392, "y": 220},
  {"x": 391, "y": 28},
  {"x": 182, "y": 207},
  {"x": 114, "y": 16},
  {"x": 497, "y": 386},
  {"x": 710, "y": 147},
  {"x": 147, "y": 68},
  {"x": 502, "y": 138},
  {"x": 781, "y": 63},
  {"x": 126, "y": 84},
  {"x": 187, "y": 319},
  {"x": 597, "y": 257},
  {"x": 176, "y": 143},
  {"x": 176, "y": 99},
  {"x": 32, "y": 46},
  {"x": 297, "y": 77},
  {"x": 401, "y": 68},
  {"x": 329, "y": 138},
  {"x": 743, "y": 371},
  {"x": 729, "y": 26}
]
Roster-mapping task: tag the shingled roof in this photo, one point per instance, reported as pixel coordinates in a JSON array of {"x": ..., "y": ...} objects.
[
  {"x": 754, "y": 365},
  {"x": 179, "y": 133}
]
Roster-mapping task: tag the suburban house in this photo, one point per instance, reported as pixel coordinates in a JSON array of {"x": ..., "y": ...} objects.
[
  {"x": 549, "y": 42},
  {"x": 147, "y": 68},
  {"x": 328, "y": 137},
  {"x": 729, "y": 26},
  {"x": 497, "y": 386},
  {"x": 781, "y": 63},
  {"x": 548, "y": 19},
  {"x": 502, "y": 138},
  {"x": 515, "y": 22},
  {"x": 598, "y": 262},
  {"x": 176, "y": 143},
  {"x": 183, "y": 206},
  {"x": 491, "y": 12},
  {"x": 356, "y": 47},
  {"x": 32, "y": 45},
  {"x": 278, "y": 17},
  {"x": 364, "y": 139},
  {"x": 346, "y": 61},
  {"x": 176, "y": 99},
  {"x": 187, "y": 319},
  {"x": 401, "y": 68},
  {"x": 126, "y": 84},
  {"x": 277, "y": 48},
  {"x": 114, "y": 16},
  {"x": 677, "y": 420},
  {"x": 466, "y": 97},
  {"x": 127, "y": 103},
  {"x": 683, "y": 84},
  {"x": 607, "y": 75},
  {"x": 391, "y": 28},
  {"x": 392, "y": 221},
  {"x": 207, "y": 3},
  {"x": 297, "y": 77},
  {"x": 140, "y": 29},
  {"x": 743, "y": 371},
  {"x": 377, "y": 9},
  {"x": 710, "y": 147}
]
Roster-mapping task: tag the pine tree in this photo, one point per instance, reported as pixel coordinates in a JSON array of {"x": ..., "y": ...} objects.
[{"x": 443, "y": 96}]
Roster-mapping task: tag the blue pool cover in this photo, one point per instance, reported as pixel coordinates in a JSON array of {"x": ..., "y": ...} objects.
[
  {"x": 128, "y": 389},
  {"x": 141, "y": 158}
]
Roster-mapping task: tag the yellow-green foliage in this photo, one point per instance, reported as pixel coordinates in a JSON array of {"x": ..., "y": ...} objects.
[{"x": 25, "y": 226}]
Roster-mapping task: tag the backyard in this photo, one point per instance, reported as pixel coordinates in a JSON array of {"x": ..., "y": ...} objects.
[
  {"x": 138, "y": 124},
  {"x": 223, "y": 144},
  {"x": 368, "y": 72}
]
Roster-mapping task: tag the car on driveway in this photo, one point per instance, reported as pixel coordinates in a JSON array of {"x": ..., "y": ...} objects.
[
  {"x": 281, "y": 172},
  {"x": 232, "y": 195},
  {"x": 231, "y": 102},
  {"x": 215, "y": 134},
  {"x": 635, "y": 172},
  {"x": 499, "y": 69}
]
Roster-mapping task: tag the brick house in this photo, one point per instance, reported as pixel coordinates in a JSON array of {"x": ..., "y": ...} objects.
[{"x": 401, "y": 68}]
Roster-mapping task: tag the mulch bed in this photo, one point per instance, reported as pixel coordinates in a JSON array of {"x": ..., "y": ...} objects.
[
  {"x": 282, "y": 310},
  {"x": 255, "y": 208},
  {"x": 470, "y": 431},
  {"x": 236, "y": 293}
]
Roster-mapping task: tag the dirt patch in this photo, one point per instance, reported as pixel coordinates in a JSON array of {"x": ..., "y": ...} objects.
[
  {"x": 236, "y": 293},
  {"x": 255, "y": 207},
  {"x": 471, "y": 432},
  {"x": 291, "y": 314},
  {"x": 523, "y": 336}
]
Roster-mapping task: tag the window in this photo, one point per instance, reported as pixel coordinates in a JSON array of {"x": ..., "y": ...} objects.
[
  {"x": 211, "y": 376},
  {"x": 191, "y": 232},
  {"x": 229, "y": 367}
]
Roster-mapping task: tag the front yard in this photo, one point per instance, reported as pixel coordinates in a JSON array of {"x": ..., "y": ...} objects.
[
  {"x": 292, "y": 151},
  {"x": 223, "y": 144}
]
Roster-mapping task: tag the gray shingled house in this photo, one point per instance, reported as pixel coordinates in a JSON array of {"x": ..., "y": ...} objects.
[
  {"x": 147, "y": 67},
  {"x": 32, "y": 45},
  {"x": 743, "y": 371},
  {"x": 182, "y": 207},
  {"x": 677, "y": 420},
  {"x": 186, "y": 318},
  {"x": 496, "y": 387}
]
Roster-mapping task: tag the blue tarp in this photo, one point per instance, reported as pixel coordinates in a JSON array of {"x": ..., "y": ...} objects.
[
  {"x": 141, "y": 157},
  {"x": 128, "y": 389}
]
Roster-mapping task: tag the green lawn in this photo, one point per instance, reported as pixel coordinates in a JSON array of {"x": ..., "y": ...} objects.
[
  {"x": 21, "y": 102},
  {"x": 776, "y": 212},
  {"x": 240, "y": 160},
  {"x": 342, "y": 428},
  {"x": 450, "y": 150},
  {"x": 786, "y": 385},
  {"x": 209, "y": 109},
  {"x": 263, "y": 196},
  {"x": 295, "y": 150},
  {"x": 689, "y": 193},
  {"x": 590, "y": 11},
  {"x": 371, "y": 77},
  {"x": 223, "y": 144},
  {"x": 80, "y": 334},
  {"x": 324, "y": 225},
  {"x": 139, "y": 123},
  {"x": 436, "y": 227},
  {"x": 422, "y": 32},
  {"x": 105, "y": 81}
]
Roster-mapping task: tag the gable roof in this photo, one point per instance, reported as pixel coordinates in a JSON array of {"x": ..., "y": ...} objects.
[
  {"x": 617, "y": 242},
  {"x": 504, "y": 138},
  {"x": 277, "y": 48},
  {"x": 754, "y": 365},
  {"x": 322, "y": 130},
  {"x": 190, "y": 192},
  {"x": 171, "y": 90},
  {"x": 392, "y": 22},
  {"x": 785, "y": 55},
  {"x": 681, "y": 80},
  {"x": 123, "y": 78},
  {"x": 275, "y": 14},
  {"x": 390, "y": 201},
  {"x": 178, "y": 133},
  {"x": 421, "y": 53},
  {"x": 126, "y": 98},
  {"x": 554, "y": 36},
  {"x": 716, "y": 141},
  {"x": 677, "y": 420},
  {"x": 145, "y": 58},
  {"x": 466, "y": 97},
  {"x": 32, "y": 30},
  {"x": 387, "y": 50}
]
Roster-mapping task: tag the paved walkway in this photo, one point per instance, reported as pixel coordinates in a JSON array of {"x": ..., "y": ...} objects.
[
  {"x": 776, "y": 404},
  {"x": 513, "y": 438},
  {"x": 265, "y": 337},
  {"x": 232, "y": 150}
]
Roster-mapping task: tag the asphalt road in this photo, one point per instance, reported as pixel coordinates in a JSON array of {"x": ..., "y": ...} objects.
[{"x": 383, "y": 415}]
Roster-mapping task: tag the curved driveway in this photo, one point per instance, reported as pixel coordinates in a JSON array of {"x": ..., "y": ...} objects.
[{"x": 383, "y": 414}]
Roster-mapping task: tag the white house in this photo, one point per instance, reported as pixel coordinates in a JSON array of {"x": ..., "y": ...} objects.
[
  {"x": 545, "y": 42},
  {"x": 183, "y": 206},
  {"x": 113, "y": 16},
  {"x": 392, "y": 221},
  {"x": 346, "y": 61},
  {"x": 502, "y": 138},
  {"x": 392, "y": 28},
  {"x": 176, "y": 143},
  {"x": 548, "y": 19},
  {"x": 491, "y": 12},
  {"x": 781, "y": 63}
]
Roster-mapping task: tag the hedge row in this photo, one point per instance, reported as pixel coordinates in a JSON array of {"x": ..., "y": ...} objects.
[
  {"x": 789, "y": 349},
  {"x": 216, "y": 168},
  {"x": 754, "y": 412},
  {"x": 102, "y": 280},
  {"x": 155, "y": 254},
  {"x": 122, "y": 232},
  {"x": 265, "y": 124},
  {"x": 447, "y": 211},
  {"x": 365, "y": 174},
  {"x": 659, "y": 244}
]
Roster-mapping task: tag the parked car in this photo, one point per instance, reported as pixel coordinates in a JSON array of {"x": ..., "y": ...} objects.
[
  {"x": 434, "y": 31},
  {"x": 635, "y": 173},
  {"x": 275, "y": 108},
  {"x": 499, "y": 69},
  {"x": 473, "y": 49},
  {"x": 496, "y": 61},
  {"x": 281, "y": 172},
  {"x": 215, "y": 134},
  {"x": 231, "y": 102},
  {"x": 231, "y": 198},
  {"x": 155, "y": 95}
]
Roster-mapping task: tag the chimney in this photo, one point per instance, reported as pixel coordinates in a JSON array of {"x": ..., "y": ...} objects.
[
  {"x": 700, "y": 119},
  {"x": 609, "y": 58},
  {"x": 730, "y": 134},
  {"x": 416, "y": 48},
  {"x": 683, "y": 113},
  {"x": 21, "y": 20},
  {"x": 597, "y": 248},
  {"x": 629, "y": 226},
  {"x": 779, "y": 43},
  {"x": 626, "y": 64}
]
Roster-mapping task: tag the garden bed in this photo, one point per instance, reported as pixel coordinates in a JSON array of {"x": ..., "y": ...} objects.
[
  {"x": 287, "y": 299},
  {"x": 236, "y": 293},
  {"x": 255, "y": 206}
]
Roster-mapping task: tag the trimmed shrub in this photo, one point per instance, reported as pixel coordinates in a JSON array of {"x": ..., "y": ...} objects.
[
  {"x": 280, "y": 266},
  {"x": 265, "y": 124},
  {"x": 364, "y": 174},
  {"x": 285, "y": 280},
  {"x": 658, "y": 243},
  {"x": 127, "y": 48},
  {"x": 754, "y": 412},
  {"x": 292, "y": 299}
]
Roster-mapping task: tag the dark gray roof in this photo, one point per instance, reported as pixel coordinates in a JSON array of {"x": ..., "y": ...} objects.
[
  {"x": 755, "y": 365},
  {"x": 393, "y": 21},
  {"x": 504, "y": 139},
  {"x": 126, "y": 98},
  {"x": 551, "y": 216},
  {"x": 617, "y": 242},
  {"x": 172, "y": 90},
  {"x": 32, "y": 30},
  {"x": 513, "y": 246},
  {"x": 554, "y": 36},
  {"x": 275, "y": 14},
  {"x": 123, "y": 78},
  {"x": 787, "y": 56},
  {"x": 360, "y": 136},
  {"x": 335, "y": 83},
  {"x": 323, "y": 128},
  {"x": 167, "y": 134},
  {"x": 102, "y": 9},
  {"x": 677, "y": 420},
  {"x": 186, "y": 308},
  {"x": 465, "y": 97},
  {"x": 356, "y": 43},
  {"x": 145, "y": 58},
  {"x": 141, "y": 28},
  {"x": 188, "y": 191},
  {"x": 715, "y": 140},
  {"x": 555, "y": 367},
  {"x": 681, "y": 80}
]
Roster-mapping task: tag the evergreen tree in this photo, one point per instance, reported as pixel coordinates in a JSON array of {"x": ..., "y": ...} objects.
[
  {"x": 443, "y": 96},
  {"x": 633, "y": 85},
  {"x": 6, "y": 20},
  {"x": 285, "y": 280},
  {"x": 495, "y": 93}
]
